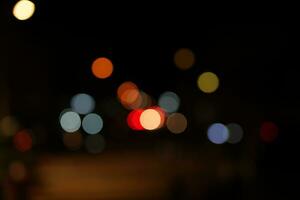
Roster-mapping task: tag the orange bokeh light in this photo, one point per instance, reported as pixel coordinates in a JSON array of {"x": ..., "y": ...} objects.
[
  {"x": 23, "y": 141},
  {"x": 129, "y": 95},
  {"x": 125, "y": 86},
  {"x": 133, "y": 120},
  {"x": 102, "y": 68}
]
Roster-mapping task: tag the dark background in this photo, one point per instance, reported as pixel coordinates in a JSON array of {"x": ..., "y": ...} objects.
[{"x": 46, "y": 60}]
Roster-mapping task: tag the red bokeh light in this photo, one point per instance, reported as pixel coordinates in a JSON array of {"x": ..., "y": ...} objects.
[
  {"x": 133, "y": 120},
  {"x": 23, "y": 141},
  {"x": 268, "y": 132}
]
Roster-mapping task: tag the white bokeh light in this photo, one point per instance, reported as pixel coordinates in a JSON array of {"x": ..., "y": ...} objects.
[
  {"x": 82, "y": 103},
  {"x": 92, "y": 123},
  {"x": 23, "y": 9},
  {"x": 70, "y": 121},
  {"x": 169, "y": 101},
  {"x": 150, "y": 119}
]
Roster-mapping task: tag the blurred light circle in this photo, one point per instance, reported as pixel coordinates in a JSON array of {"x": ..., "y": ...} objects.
[
  {"x": 9, "y": 126},
  {"x": 70, "y": 121},
  {"x": 133, "y": 120},
  {"x": 218, "y": 133},
  {"x": 17, "y": 171},
  {"x": 268, "y": 131},
  {"x": 176, "y": 123},
  {"x": 95, "y": 143},
  {"x": 102, "y": 68},
  {"x": 92, "y": 123},
  {"x": 162, "y": 114},
  {"x": 235, "y": 133},
  {"x": 129, "y": 95},
  {"x": 146, "y": 100},
  {"x": 72, "y": 141},
  {"x": 23, "y": 141},
  {"x": 131, "y": 99},
  {"x": 125, "y": 86},
  {"x": 150, "y": 119},
  {"x": 64, "y": 111},
  {"x": 82, "y": 103},
  {"x": 23, "y": 9},
  {"x": 208, "y": 82},
  {"x": 184, "y": 58},
  {"x": 169, "y": 101}
]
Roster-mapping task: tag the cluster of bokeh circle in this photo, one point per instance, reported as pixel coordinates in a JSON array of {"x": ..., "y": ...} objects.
[
  {"x": 13, "y": 132},
  {"x": 80, "y": 115},
  {"x": 145, "y": 115},
  {"x": 208, "y": 82},
  {"x": 82, "y": 126}
]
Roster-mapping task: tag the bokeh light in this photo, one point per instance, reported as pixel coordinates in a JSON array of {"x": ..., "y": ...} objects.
[
  {"x": 176, "y": 123},
  {"x": 235, "y": 133},
  {"x": 95, "y": 143},
  {"x": 92, "y": 123},
  {"x": 23, "y": 9},
  {"x": 9, "y": 126},
  {"x": 146, "y": 100},
  {"x": 70, "y": 121},
  {"x": 23, "y": 140},
  {"x": 17, "y": 171},
  {"x": 218, "y": 133},
  {"x": 162, "y": 114},
  {"x": 64, "y": 111},
  {"x": 73, "y": 141},
  {"x": 169, "y": 101},
  {"x": 82, "y": 103},
  {"x": 133, "y": 120},
  {"x": 184, "y": 58},
  {"x": 150, "y": 119},
  {"x": 142, "y": 99},
  {"x": 208, "y": 82},
  {"x": 268, "y": 131},
  {"x": 124, "y": 87},
  {"x": 129, "y": 95},
  {"x": 102, "y": 68},
  {"x": 132, "y": 99}
]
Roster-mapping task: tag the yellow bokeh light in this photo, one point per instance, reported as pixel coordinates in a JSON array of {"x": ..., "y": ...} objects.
[
  {"x": 23, "y": 9},
  {"x": 208, "y": 82},
  {"x": 184, "y": 59},
  {"x": 150, "y": 119},
  {"x": 9, "y": 126}
]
